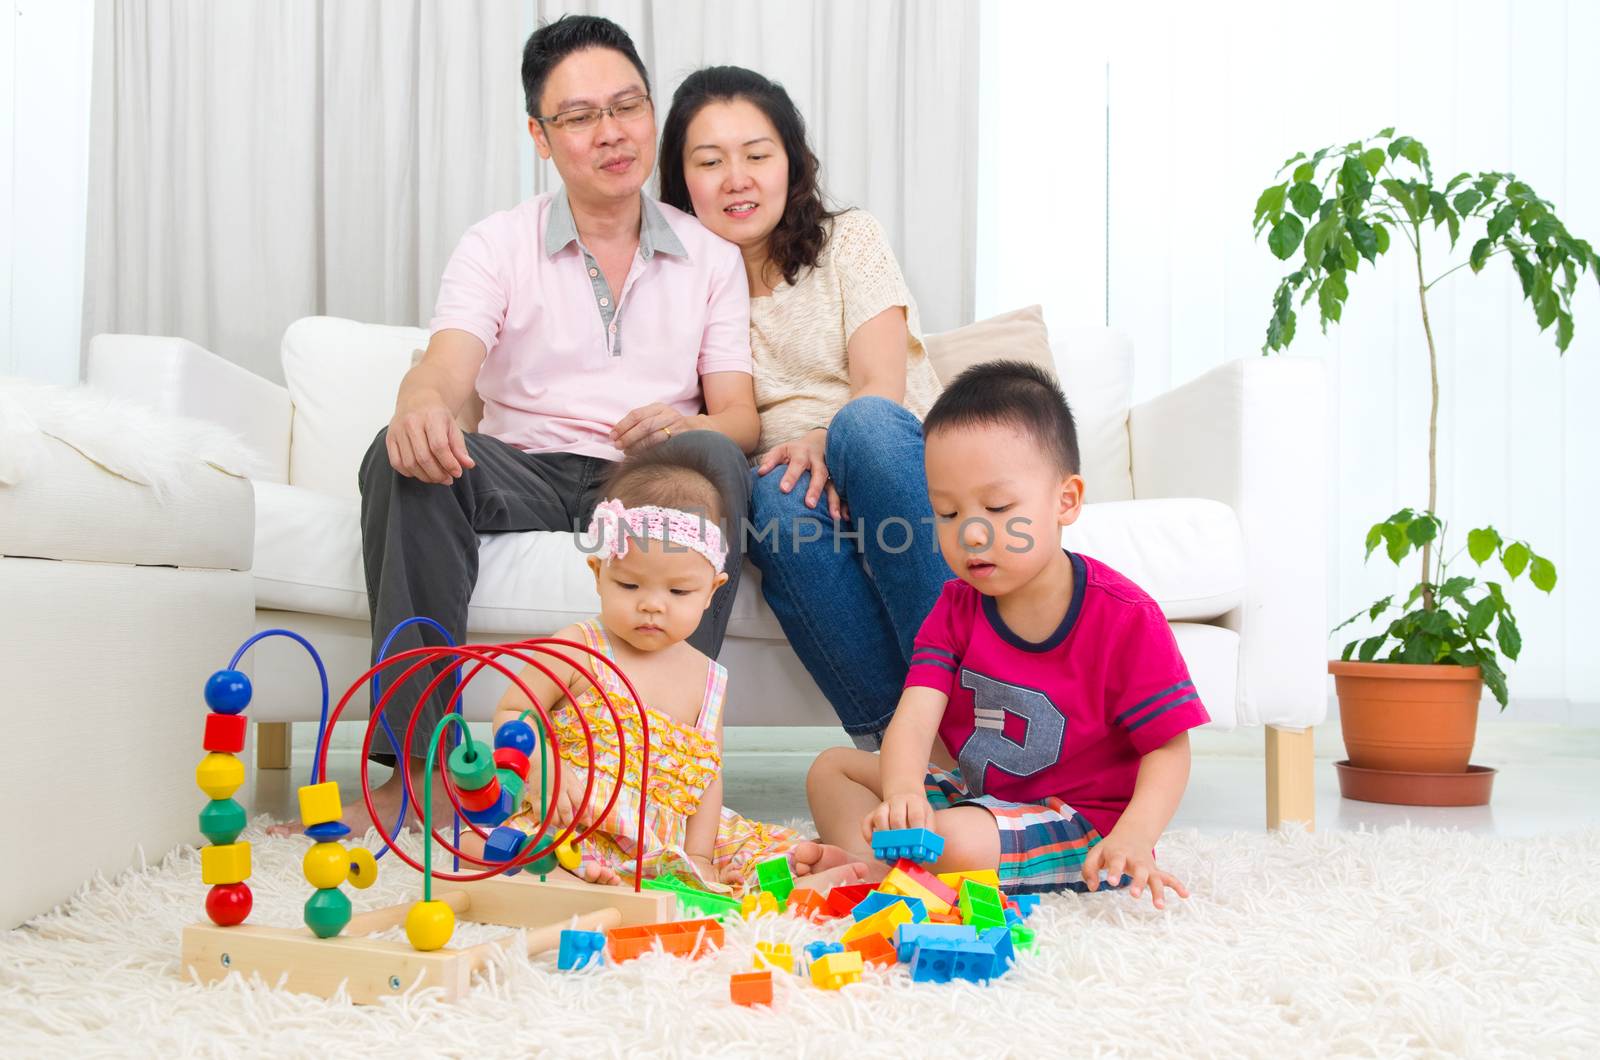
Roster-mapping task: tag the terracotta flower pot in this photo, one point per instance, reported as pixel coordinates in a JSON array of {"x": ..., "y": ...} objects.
[{"x": 1416, "y": 719}]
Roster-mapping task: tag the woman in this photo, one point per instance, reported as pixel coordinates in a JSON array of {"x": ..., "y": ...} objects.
[{"x": 843, "y": 533}]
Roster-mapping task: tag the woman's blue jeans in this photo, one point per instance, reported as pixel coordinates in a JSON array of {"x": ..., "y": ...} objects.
[{"x": 852, "y": 595}]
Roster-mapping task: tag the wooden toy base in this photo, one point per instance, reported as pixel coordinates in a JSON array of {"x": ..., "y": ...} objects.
[{"x": 372, "y": 969}]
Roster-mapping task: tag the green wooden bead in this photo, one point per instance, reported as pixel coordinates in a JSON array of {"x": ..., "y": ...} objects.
[
  {"x": 509, "y": 781},
  {"x": 221, "y": 821},
  {"x": 541, "y": 866},
  {"x": 471, "y": 765},
  {"x": 327, "y": 912}
]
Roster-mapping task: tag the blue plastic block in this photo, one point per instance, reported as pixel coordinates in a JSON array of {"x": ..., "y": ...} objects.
[
  {"x": 495, "y": 815},
  {"x": 999, "y": 941},
  {"x": 503, "y": 845},
  {"x": 907, "y": 937},
  {"x": 972, "y": 961},
  {"x": 517, "y": 735},
  {"x": 878, "y": 900},
  {"x": 328, "y": 831},
  {"x": 818, "y": 950},
  {"x": 1026, "y": 904},
  {"x": 915, "y": 844},
  {"x": 1013, "y": 918},
  {"x": 579, "y": 948}
]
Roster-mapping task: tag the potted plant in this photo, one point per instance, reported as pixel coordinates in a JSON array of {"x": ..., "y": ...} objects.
[{"x": 1409, "y": 691}]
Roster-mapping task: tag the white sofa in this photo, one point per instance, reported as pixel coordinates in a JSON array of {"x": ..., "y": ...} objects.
[{"x": 1204, "y": 496}]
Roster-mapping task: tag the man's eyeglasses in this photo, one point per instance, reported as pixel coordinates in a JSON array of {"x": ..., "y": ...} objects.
[{"x": 630, "y": 109}]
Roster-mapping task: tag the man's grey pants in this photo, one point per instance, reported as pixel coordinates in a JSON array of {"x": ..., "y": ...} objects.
[{"x": 419, "y": 542}]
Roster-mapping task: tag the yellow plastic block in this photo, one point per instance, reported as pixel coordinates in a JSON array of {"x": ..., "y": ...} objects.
[
  {"x": 219, "y": 775},
  {"x": 899, "y": 883},
  {"x": 761, "y": 904},
  {"x": 326, "y": 865},
  {"x": 833, "y": 970},
  {"x": 319, "y": 803},
  {"x": 953, "y": 879},
  {"x": 774, "y": 955},
  {"x": 225, "y": 864},
  {"x": 883, "y": 922}
]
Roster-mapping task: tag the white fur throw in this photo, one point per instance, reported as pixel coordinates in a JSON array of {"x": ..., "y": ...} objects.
[{"x": 129, "y": 440}]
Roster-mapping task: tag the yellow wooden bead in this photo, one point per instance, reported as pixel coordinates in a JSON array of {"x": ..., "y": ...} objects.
[
  {"x": 319, "y": 803},
  {"x": 363, "y": 868},
  {"x": 326, "y": 865},
  {"x": 225, "y": 864},
  {"x": 568, "y": 856},
  {"x": 429, "y": 925},
  {"x": 219, "y": 775}
]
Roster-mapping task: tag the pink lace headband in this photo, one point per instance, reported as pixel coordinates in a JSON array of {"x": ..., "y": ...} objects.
[{"x": 614, "y": 524}]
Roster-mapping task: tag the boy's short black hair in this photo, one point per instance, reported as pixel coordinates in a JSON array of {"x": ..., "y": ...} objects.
[
  {"x": 554, "y": 41},
  {"x": 1016, "y": 393}
]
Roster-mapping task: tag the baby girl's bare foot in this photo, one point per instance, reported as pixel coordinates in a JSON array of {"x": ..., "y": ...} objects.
[
  {"x": 823, "y": 865},
  {"x": 594, "y": 872},
  {"x": 838, "y": 876}
]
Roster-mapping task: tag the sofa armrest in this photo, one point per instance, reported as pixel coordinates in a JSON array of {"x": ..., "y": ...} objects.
[
  {"x": 1250, "y": 434},
  {"x": 176, "y": 376}
]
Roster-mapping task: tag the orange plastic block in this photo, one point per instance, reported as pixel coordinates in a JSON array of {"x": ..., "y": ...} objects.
[
  {"x": 810, "y": 905},
  {"x": 883, "y": 922},
  {"x": 833, "y": 970},
  {"x": 874, "y": 949},
  {"x": 950, "y": 916},
  {"x": 682, "y": 938},
  {"x": 751, "y": 988}
]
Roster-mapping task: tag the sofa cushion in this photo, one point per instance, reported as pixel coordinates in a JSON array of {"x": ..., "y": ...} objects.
[
  {"x": 1018, "y": 335},
  {"x": 1185, "y": 553}
]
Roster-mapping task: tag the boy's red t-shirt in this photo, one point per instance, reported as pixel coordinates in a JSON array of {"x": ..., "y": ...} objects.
[{"x": 1069, "y": 717}]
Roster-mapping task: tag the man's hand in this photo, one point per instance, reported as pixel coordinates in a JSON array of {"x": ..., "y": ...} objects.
[
  {"x": 424, "y": 443},
  {"x": 908, "y": 810},
  {"x": 1123, "y": 856},
  {"x": 802, "y": 454},
  {"x": 646, "y": 426}
]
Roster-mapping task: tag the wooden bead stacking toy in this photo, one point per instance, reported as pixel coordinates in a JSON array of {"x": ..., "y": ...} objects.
[{"x": 225, "y": 864}]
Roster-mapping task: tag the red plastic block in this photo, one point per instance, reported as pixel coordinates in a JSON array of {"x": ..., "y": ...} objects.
[
  {"x": 751, "y": 988},
  {"x": 843, "y": 899},
  {"x": 225, "y": 733},
  {"x": 683, "y": 938},
  {"x": 874, "y": 949}
]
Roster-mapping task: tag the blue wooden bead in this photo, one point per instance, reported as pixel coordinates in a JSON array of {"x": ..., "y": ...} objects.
[
  {"x": 228, "y": 692},
  {"x": 328, "y": 831},
  {"x": 516, "y": 735}
]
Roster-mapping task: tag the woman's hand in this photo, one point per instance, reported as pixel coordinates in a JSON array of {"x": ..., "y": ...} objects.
[
  {"x": 1120, "y": 857},
  {"x": 802, "y": 454},
  {"x": 647, "y": 426}
]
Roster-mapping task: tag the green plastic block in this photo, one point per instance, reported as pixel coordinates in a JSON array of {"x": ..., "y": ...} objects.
[
  {"x": 775, "y": 878},
  {"x": 1021, "y": 937},
  {"x": 692, "y": 898},
  {"x": 981, "y": 905}
]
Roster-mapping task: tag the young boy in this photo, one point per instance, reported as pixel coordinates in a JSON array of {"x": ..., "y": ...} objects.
[{"x": 1052, "y": 680}]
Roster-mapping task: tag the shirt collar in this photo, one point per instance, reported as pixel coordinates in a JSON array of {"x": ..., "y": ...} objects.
[{"x": 655, "y": 234}]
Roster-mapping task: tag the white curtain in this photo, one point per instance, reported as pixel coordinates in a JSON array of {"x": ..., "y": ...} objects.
[
  {"x": 1124, "y": 148},
  {"x": 255, "y": 163}
]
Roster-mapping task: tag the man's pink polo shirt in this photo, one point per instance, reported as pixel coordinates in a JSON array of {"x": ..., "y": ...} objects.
[{"x": 567, "y": 358}]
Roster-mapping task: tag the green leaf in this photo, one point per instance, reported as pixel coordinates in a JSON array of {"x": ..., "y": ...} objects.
[
  {"x": 1480, "y": 253},
  {"x": 1456, "y": 589},
  {"x": 1501, "y": 222},
  {"x": 1373, "y": 160},
  {"x": 1423, "y": 530},
  {"x": 1347, "y": 253},
  {"x": 1270, "y": 203},
  {"x": 1524, "y": 269},
  {"x": 1515, "y": 558},
  {"x": 1305, "y": 171},
  {"x": 1305, "y": 198},
  {"x": 1419, "y": 649},
  {"x": 1374, "y": 539},
  {"x": 1481, "y": 615},
  {"x": 1379, "y": 608},
  {"x": 1563, "y": 331},
  {"x": 1382, "y": 235},
  {"x": 1330, "y": 299},
  {"x": 1439, "y": 623},
  {"x": 1285, "y": 237},
  {"x": 1509, "y": 637},
  {"x": 1542, "y": 574},
  {"x": 1545, "y": 304},
  {"x": 1467, "y": 199},
  {"x": 1481, "y": 544},
  {"x": 1349, "y": 649},
  {"x": 1493, "y": 676},
  {"x": 1370, "y": 646},
  {"x": 1397, "y": 541},
  {"x": 1317, "y": 238},
  {"x": 1385, "y": 133}
]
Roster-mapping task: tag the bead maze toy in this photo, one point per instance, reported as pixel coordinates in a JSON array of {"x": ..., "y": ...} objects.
[{"x": 484, "y": 788}]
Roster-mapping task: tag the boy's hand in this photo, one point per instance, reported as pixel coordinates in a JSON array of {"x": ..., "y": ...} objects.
[
  {"x": 1121, "y": 856},
  {"x": 908, "y": 810}
]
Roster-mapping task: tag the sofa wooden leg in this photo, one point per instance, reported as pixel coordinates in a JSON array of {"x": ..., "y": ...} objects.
[
  {"x": 1291, "y": 777},
  {"x": 272, "y": 745}
]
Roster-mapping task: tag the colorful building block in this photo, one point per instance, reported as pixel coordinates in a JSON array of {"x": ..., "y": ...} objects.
[
  {"x": 1026, "y": 904},
  {"x": 908, "y": 937},
  {"x": 949, "y": 916},
  {"x": 815, "y": 951},
  {"x": 1022, "y": 938},
  {"x": 219, "y": 775},
  {"x": 981, "y": 905},
  {"x": 808, "y": 904},
  {"x": 225, "y": 864},
  {"x": 972, "y": 961},
  {"x": 883, "y": 899},
  {"x": 692, "y": 898},
  {"x": 683, "y": 938},
  {"x": 225, "y": 733},
  {"x": 775, "y": 877},
  {"x": 750, "y": 988},
  {"x": 889, "y": 845},
  {"x": 953, "y": 880},
  {"x": 843, "y": 899},
  {"x": 319, "y": 803},
  {"x": 883, "y": 922},
  {"x": 579, "y": 949},
  {"x": 834, "y": 970},
  {"x": 874, "y": 949},
  {"x": 914, "y": 881},
  {"x": 1005, "y": 953},
  {"x": 762, "y": 903},
  {"x": 778, "y": 955}
]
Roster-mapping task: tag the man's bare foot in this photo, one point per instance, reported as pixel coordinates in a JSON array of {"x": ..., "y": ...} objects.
[
  {"x": 819, "y": 866},
  {"x": 386, "y": 800}
]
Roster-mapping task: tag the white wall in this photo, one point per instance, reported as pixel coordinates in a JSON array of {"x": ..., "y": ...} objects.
[
  {"x": 1205, "y": 101},
  {"x": 45, "y": 61}
]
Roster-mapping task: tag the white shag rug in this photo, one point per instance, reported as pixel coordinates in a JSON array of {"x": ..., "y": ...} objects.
[{"x": 1399, "y": 943}]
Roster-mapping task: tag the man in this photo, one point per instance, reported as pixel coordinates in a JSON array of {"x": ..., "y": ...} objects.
[{"x": 593, "y": 322}]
